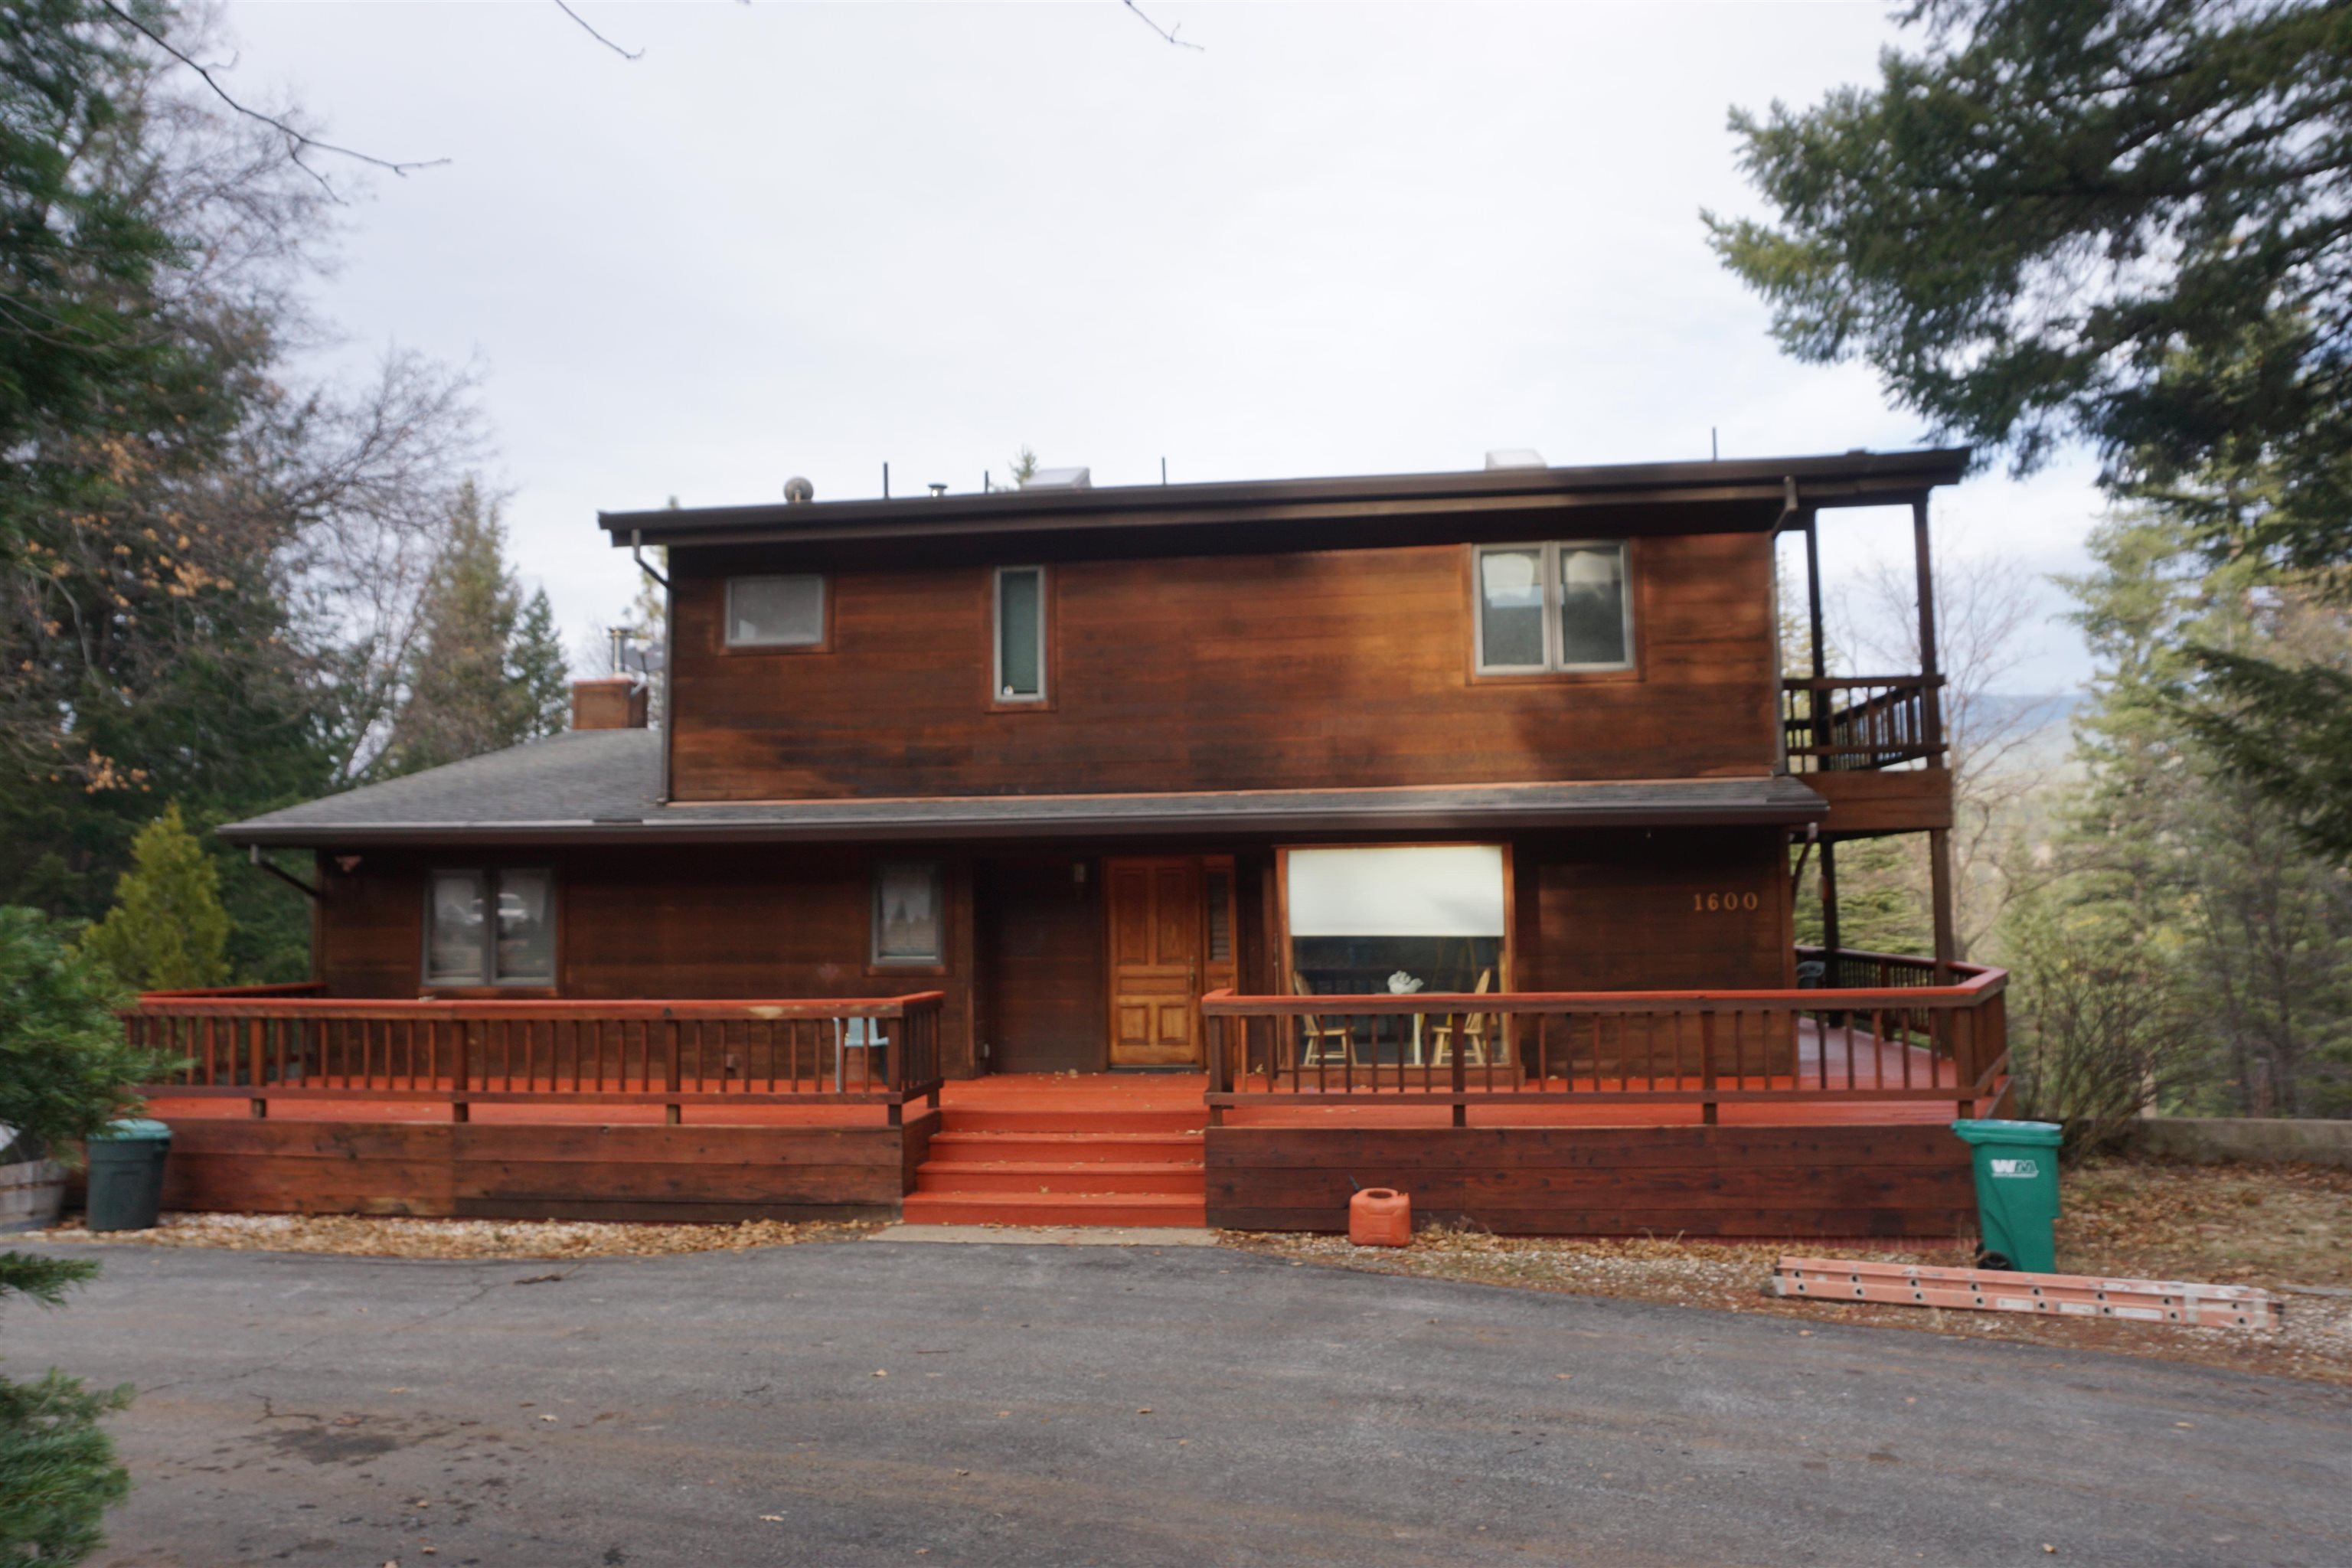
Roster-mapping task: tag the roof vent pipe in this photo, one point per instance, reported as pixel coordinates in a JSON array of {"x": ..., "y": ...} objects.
[{"x": 798, "y": 491}]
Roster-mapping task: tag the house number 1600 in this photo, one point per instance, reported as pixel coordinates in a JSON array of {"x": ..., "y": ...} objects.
[{"x": 1716, "y": 903}]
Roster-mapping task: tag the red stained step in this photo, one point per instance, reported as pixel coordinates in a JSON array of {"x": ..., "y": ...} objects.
[
  {"x": 964, "y": 1119},
  {"x": 1048, "y": 1209},
  {"x": 1067, "y": 1148},
  {"x": 1027, "y": 1178}
]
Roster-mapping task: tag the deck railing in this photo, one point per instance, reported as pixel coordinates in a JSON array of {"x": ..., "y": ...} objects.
[
  {"x": 1847, "y": 723},
  {"x": 266, "y": 1043},
  {"x": 1850, "y": 968},
  {"x": 1881, "y": 1044}
]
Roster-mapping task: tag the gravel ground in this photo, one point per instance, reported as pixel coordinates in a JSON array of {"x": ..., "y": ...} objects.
[
  {"x": 357, "y": 1235},
  {"x": 2285, "y": 1228}
]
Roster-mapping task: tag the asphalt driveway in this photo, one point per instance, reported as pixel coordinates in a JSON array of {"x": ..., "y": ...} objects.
[{"x": 1052, "y": 1405}]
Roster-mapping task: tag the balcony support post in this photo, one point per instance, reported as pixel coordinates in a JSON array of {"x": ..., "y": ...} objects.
[
  {"x": 1931, "y": 697},
  {"x": 1940, "y": 885}
]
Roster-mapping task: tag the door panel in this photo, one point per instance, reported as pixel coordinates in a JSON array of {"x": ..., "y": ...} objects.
[{"x": 1155, "y": 960}]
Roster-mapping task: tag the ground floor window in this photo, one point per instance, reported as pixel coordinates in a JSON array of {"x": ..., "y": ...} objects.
[
  {"x": 907, "y": 912},
  {"x": 491, "y": 926},
  {"x": 1403, "y": 919}
]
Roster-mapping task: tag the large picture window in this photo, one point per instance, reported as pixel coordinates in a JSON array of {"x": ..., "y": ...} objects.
[
  {"x": 494, "y": 927},
  {"x": 907, "y": 925},
  {"x": 1564, "y": 605},
  {"x": 1409, "y": 918},
  {"x": 776, "y": 611},
  {"x": 1020, "y": 634}
]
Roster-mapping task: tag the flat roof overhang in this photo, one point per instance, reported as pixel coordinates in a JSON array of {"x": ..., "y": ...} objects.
[
  {"x": 1778, "y": 800},
  {"x": 1762, "y": 486}
]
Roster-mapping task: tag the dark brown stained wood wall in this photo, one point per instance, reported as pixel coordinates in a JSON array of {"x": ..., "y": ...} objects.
[
  {"x": 1599, "y": 911},
  {"x": 1764, "y": 1181},
  {"x": 1628, "y": 911},
  {"x": 498, "y": 1171},
  {"x": 1307, "y": 670},
  {"x": 767, "y": 920},
  {"x": 1041, "y": 965}
]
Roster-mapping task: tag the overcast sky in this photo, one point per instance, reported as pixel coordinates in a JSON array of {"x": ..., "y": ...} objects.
[{"x": 1338, "y": 239}]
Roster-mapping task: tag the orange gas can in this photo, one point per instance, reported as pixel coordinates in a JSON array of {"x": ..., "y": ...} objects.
[{"x": 1379, "y": 1217}]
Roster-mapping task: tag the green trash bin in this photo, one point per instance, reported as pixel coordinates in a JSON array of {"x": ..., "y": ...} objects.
[
  {"x": 2017, "y": 1193},
  {"x": 126, "y": 1175}
]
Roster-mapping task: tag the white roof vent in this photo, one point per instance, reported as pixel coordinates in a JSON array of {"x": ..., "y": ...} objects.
[
  {"x": 1516, "y": 457},
  {"x": 1060, "y": 479}
]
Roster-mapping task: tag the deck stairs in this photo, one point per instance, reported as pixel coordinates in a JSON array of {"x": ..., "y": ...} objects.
[{"x": 1063, "y": 1157}]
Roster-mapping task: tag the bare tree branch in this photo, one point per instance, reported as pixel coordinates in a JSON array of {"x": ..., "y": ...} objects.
[
  {"x": 625, "y": 54},
  {"x": 1163, "y": 32},
  {"x": 298, "y": 140}
]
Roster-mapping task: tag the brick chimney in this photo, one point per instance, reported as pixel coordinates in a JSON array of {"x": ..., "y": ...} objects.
[{"x": 608, "y": 702}]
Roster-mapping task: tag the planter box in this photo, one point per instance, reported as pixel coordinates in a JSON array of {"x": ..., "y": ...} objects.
[{"x": 32, "y": 1191}]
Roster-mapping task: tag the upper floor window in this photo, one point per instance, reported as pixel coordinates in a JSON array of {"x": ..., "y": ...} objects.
[
  {"x": 1554, "y": 606},
  {"x": 776, "y": 611},
  {"x": 494, "y": 927},
  {"x": 1020, "y": 634}
]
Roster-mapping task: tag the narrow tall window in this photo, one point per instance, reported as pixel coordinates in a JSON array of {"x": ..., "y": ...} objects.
[
  {"x": 490, "y": 928},
  {"x": 1554, "y": 606},
  {"x": 907, "y": 912},
  {"x": 1020, "y": 634},
  {"x": 776, "y": 611}
]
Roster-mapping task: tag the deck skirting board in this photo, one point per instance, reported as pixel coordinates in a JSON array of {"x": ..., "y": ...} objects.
[
  {"x": 1730, "y": 1182},
  {"x": 494, "y": 1171}
]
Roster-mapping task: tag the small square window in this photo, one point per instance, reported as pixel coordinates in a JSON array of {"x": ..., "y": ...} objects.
[
  {"x": 776, "y": 611},
  {"x": 907, "y": 912},
  {"x": 1020, "y": 634},
  {"x": 1554, "y": 606}
]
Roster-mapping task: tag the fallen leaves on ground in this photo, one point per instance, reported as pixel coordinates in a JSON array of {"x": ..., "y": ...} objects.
[
  {"x": 367, "y": 1236},
  {"x": 2239, "y": 1225}
]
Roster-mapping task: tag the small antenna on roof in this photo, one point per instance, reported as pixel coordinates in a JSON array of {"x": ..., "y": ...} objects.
[
  {"x": 1714, "y": 446},
  {"x": 1163, "y": 470},
  {"x": 885, "y": 481}
]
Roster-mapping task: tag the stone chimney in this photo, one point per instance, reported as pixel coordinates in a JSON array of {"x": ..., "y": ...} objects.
[{"x": 608, "y": 702}]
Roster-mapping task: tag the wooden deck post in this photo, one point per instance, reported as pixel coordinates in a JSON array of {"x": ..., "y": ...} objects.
[
  {"x": 672, "y": 1113},
  {"x": 1708, "y": 1110}
]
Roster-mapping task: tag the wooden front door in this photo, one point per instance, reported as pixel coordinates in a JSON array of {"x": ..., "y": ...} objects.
[{"x": 1154, "y": 910}]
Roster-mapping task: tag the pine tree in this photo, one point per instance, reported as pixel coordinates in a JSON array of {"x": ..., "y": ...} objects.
[
  {"x": 540, "y": 679},
  {"x": 488, "y": 672},
  {"x": 167, "y": 929}
]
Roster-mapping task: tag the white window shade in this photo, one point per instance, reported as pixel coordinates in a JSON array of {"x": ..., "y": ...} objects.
[{"x": 1436, "y": 890}]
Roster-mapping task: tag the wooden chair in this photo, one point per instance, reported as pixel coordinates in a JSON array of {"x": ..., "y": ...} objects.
[
  {"x": 1474, "y": 1028},
  {"x": 1322, "y": 1042}
]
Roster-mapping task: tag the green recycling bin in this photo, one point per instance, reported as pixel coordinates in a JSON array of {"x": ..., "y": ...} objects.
[
  {"x": 126, "y": 1175},
  {"x": 2017, "y": 1193}
]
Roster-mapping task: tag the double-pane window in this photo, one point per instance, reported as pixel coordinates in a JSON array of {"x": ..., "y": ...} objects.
[
  {"x": 1020, "y": 634},
  {"x": 490, "y": 928},
  {"x": 776, "y": 611},
  {"x": 1554, "y": 606}
]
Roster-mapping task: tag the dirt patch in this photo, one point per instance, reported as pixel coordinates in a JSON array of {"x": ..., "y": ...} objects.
[
  {"x": 358, "y": 1236},
  {"x": 2241, "y": 1225}
]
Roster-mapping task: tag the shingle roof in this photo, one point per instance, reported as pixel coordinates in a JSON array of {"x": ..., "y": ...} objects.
[{"x": 604, "y": 785}]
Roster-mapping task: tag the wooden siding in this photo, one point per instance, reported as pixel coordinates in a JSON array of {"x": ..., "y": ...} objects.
[
  {"x": 1596, "y": 911},
  {"x": 1041, "y": 963},
  {"x": 1629, "y": 912},
  {"x": 1321, "y": 669},
  {"x": 508, "y": 1171},
  {"x": 1893, "y": 800},
  {"x": 1763, "y": 1181},
  {"x": 670, "y": 922}
]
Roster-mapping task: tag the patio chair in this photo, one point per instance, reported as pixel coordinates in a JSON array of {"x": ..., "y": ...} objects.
[
  {"x": 1474, "y": 1031},
  {"x": 1322, "y": 1043}
]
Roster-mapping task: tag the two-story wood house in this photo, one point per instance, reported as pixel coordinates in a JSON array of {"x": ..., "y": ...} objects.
[{"x": 1329, "y": 811}]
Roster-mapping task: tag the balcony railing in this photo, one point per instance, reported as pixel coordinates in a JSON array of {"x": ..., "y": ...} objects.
[
  {"x": 272, "y": 1043},
  {"x": 1886, "y": 1044},
  {"x": 1854, "y": 723}
]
